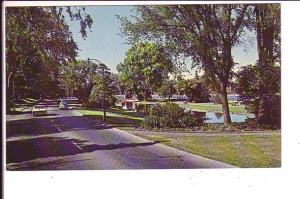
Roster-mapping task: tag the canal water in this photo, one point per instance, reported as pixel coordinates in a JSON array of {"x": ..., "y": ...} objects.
[{"x": 214, "y": 117}]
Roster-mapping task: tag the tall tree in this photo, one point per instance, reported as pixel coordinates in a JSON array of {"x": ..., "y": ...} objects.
[
  {"x": 145, "y": 67},
  {"x": 262, "y": 95},
  {"x": 76, "y": 78},
  {"x": 267, "y": 24},
  {"x": 104, "y": 88},
  {"x": 268, "y": 46},
  {"x": 206, "y": 33},
  {"x": 38, "y": 40}
]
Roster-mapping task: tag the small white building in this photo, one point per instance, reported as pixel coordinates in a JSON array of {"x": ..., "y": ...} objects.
[
  {"x": 126, "y": 103},
  {"x": 179, "y": 97}
]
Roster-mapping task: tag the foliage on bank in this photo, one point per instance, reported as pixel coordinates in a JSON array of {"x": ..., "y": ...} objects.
[{"x": 169, "y": 115}]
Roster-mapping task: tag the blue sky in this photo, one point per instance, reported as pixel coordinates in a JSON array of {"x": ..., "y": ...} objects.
[{"x": 107, "y": 45}]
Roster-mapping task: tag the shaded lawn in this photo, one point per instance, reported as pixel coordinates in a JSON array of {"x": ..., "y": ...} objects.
[
  {"x": 26, "y": 101},
  {"x": 117, "y": 118},
  {"x": 250, "y": 151},
  {"x": 23, "y": 106},
  {"x": 30, "y": 100},
  {"x": 20, "y": 109}
]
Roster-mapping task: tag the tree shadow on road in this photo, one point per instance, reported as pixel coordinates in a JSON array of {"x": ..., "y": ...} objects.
[
  {"x": 19, "y": 151},
  {"x": 44, "y": 125}
]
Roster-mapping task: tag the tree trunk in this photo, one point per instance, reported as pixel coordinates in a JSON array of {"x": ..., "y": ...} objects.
[
  {"x": 225, "y": 106},
  {"x": 145, "y": 99},
  {"x": 14, "y": 98},
  {"x": 228, "y": 64},
  {"x": 103, "y": 96},
  {"x": 10, "y": 92},
  {"x": 68, "y": 94},
  {"x": 264, "y": 112},
  {"x": 104, "y": 108}
]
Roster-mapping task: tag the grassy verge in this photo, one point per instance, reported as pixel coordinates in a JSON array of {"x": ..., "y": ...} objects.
[
  {"x": 23, "y": 105},
  {"x": 117, "y": 118},
  {"x": 249, "y": 151}
]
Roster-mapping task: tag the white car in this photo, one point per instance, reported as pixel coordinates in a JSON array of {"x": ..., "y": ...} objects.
[
  {"x": 39, "y": 110},
  {"x": 64, "y": 105}
]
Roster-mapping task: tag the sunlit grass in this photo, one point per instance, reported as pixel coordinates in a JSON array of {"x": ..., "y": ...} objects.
[
  {"x": 116, "y": 118},
  {"x": 238, "y": 150},
  {"x": 210, "y": 107}
]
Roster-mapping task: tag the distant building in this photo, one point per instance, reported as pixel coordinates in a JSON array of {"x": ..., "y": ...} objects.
[
  {"x": 233, "y": 97},
  {"x": 156, "y": 97},
  {"x": 179, "y": 97},
  {"x": 126, "y": 103}
]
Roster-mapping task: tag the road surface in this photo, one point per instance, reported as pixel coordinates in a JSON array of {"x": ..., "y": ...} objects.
[{"x": 65, "y": 140}]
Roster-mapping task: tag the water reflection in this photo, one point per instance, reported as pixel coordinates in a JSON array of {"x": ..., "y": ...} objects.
[{"x": 212, "y": 117}]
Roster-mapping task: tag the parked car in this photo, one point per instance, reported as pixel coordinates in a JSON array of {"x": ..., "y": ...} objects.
[
  {"x": 63, "y": 105},
  {"x": 73, "y": 98},
  {"x": 39, "y": 110},
  {"x": 69, "y": 98}
]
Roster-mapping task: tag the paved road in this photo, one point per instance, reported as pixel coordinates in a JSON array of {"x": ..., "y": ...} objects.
[{"x": 66, "y": 140}]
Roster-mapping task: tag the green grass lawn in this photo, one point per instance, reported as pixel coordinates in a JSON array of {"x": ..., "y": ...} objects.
[
  {"x": 117, "y": 118},
  {"x": 30, "y": 100},
  {"x": 26, "y": 101},
  {"x": 248, "y": 151},
  {"x": 20, "y": 109},
  {"x": 211, "y": 107}
]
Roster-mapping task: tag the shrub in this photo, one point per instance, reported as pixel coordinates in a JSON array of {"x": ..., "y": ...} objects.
[
  {"x": 169, "y": 115},
  {"x": 189, "y": 120},
  {"x": 259, "y": 89},
  {"x": 98, "y": 104},
  {"x": 140, "y": 108}
]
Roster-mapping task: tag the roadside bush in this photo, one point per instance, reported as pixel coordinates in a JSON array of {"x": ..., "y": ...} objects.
[
  {"x": 169, "y": 115},
  {"x": 141, "y": 108},
  {"x": 189, "y": 120}
]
